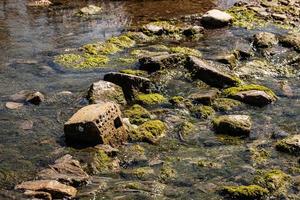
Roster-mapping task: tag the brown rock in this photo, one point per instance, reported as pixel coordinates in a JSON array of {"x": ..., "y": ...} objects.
[
  {"x": 291, "y": 40},
  {"x": 26, "y": 125},
  {"x": 55, "y": 188},
  {"x": 204, "y": 97},
  {"x": 66, "y": 170},
  {"x": 96, "y": 124},
  {"x": 13, "y": 105},
  {"x": 265, "y": 39},
  {"x": 254, "y": 97},
  {"x": 35, "y": 98},
  {"x": 38, "y": 195}
]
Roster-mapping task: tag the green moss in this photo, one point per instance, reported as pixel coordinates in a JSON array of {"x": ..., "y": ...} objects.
[
  {"x": 259, "y": 156},
  {"x": 186, "y": 51},
  {"x": 93, "y": 61},
  {"x": 250, "y": 192},
  {"x": 122, "y": 41},
  {"x": 206, "y": 163},
  {"x": 234, "y": 90},
  {"x": 134, "y": 72},
  {"x": 139, "y": 52},
  {"x": 127, "y": 60},
  {"x": 229, "y": 140},
  {"x": 101, "y": 162},
  {"x": 167, "y": 172},
  {"x": 68, "y": 59},
  {"x": 150, "y": 99},
  {"x": 137, "y": 114},
  {"x": 225, "y": 104},
  {"x": 149, "y": 131},
  {"x": 101, "y": 48},
  {"x": 143, "y": 172},
  {"x": 272, "y": 180},
  {"x": 166, "y": 27},
  {"x": 185, "y": 128},
  {"x": 176, "y": 100},
  {"x": 202, "y": 112}
]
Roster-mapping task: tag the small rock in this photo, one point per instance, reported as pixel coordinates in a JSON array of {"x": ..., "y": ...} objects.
[
  {"x": 193, "y": 31},
  {"x": 103, "y": 91},
  {"x": 290, "y": 145},
  {"x": 96, "y": 124},
  {"x": 35, "y": 98},
  {"x": 14, "y": 105},
  {"x": 280, "y": 135},
  {"x": 210, "y": 74},
  {"x": 216, "y": 19},
  {"x": 229, "y": 59},
  {"x": 265, "y": 40},
  {"x": 39, "y": 3},
  {"x": 235, "y": 125},
  {"x": 55, "y": 188},
  {"x": 24, "y": 96},
  {"x": 38, "y": 195},
  {"x": 291, "y": 40},
  {"x": 286, "y": 89},
  {"x": 90, "y": 10},
  {"x": 280, "y": 17},
  {"x": 26, "y": 125}
]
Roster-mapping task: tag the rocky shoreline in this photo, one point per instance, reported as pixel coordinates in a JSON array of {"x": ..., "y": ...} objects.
[{"x": 137, "y": 109}]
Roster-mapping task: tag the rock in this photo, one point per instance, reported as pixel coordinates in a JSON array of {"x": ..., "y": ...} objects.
[
  {"x": 235, "y": 125},
  {"x": 273, "y": 180},
  {"x": 55, "y": 188},
  {"x": 250, "y": 192},
  {"x": 96, "y": 124},
  {"x": 160, "y": 28},
  {"x": 256, "y": 95},
  {"x": 90, "y": 10},
  {"x": 291, "y": 40},
  {"x": 202, "y": 112},
  {"x": 225, "y": 104},
  {"x": 150, "y": 99},
  {"x": 229, "y": 59},
  {"x": 141, "y": 173},
  {"x": 280, "y": 17},
  {"x": 38, "y": 195},
  {"x": 66, "y": 170},
  {"x": 41, "y": 3},
  {"x": 155, "y": 63},
  {"x": 209, "y": 74},
  {"x": 14, "y": 105},
  {"x": 24, "y": 96},
  {"x": 280, "y": 135},
  {"x": 103, "y": 91},
  {"x": 265, "y": 40},
  {"x": 193, "y": 31},
  {"x": 26, "y": 125},
  {"x": 216, "y": 19},
  {"x": 290, "y": 145},
  {"x": 130, "y": 83},
  {"x": 35, "y": 98},
  {"x": 204, "y": 97},
  {"x": 133, "y": 155},
  {"x": 137, "y": 114}
]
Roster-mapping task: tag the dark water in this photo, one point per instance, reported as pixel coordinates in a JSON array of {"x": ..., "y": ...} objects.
[{"x": 31, "y": 37}]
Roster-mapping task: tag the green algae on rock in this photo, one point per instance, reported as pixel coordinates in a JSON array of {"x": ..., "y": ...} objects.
[
  {"x": 101, "y": 48},
  {"x": 149, "y": 131},
  {"x": 137, "y": 114},
  {"x": 127, "y": 60},
  {"x": 68, "y": 59},
  {"x": 185, "y": 128},
  {"x": 233, "y": 90},
  {"x": 186, "y": 51},
  {"x": 225, "y": 104},
  {"x": 82, "y": 61},
  {"x": 150, "y": 99},
  {"x": 290, "y": 145},
  {"x": 250, "y": 192},
  {"x": 167, "y": 172},
  {"x": 135, "y": 72},
  {"x": 121, "y": 41},
  {"x": 274, "y": 180},
  {"x": 160, "y": 28},
  {"x": 202, "y": 112}
]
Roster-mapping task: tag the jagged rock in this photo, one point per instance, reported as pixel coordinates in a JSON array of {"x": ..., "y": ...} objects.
[
  {"x": 35, "y": 98},
  {"x": 216, "y": 19},
  {"x": 55, "y": 188},
  {"x": 291, "y": 40},
  {"x": 103, "y": 91},
  {"x": 209, "y": 74},
  {"x": 25, "y": 96},
  {"x": 204, "y": 97},
  {"x": 66, "y": 170},
  {"x": 233, "y": 124},
  {"x": 265, "y": 40},
  {"x": 38, "y": 195},
  {"x": 90, "y": 10},
  {"x": 155, "y": 63},
  {"x": 130, "y": 83},
  {"x": 96, "y": 124},
  {"x": 290, "y": 145}
]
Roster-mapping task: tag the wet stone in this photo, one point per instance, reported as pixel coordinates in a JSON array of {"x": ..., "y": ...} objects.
[
  {"x": 14, "y": 105},
  {"x": 26, "y": 96},
  {"x": 290, "y": 145},
  {"x": 254, "y": 97},
  {"x": 291, "y": 40},
  {"x": 204, "y": 97},
  {"x": 215, "y": 19},
  {"x": 35, "y": 98},
  {"x": 265, "y": 40},
  {"x": 55, "y": 188},
  {"x": 236, "y": 125},
  {"x": 38, "y": 195},
  {"x": 96, "y": 124},
  {"x": 90, "y": 10}
]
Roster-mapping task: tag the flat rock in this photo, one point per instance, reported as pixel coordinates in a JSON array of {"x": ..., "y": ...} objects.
[
  {"x": 66, "y": 170},
  {"x": 254, "y": 97},
  {"x": 204, "y": 97},
  {"x": 13, "y": 105},
  {"x": 265, "y": 40},
  {"x": 216, "y": 19},
  {"x": 27, "y": 96},
  {"x": 236, "y": 125},
  {"x": 155, "y": 63},
  {"x": 55, "y": 188},
  {"x": 210, "y": 74},
  {"x": 103, "y": 91},
  {"x": 290, "y": 145},
  {"x": 96, "y": 124},
  {"x": 90, "y": 10},
  {"x": 129, "y": 83}
]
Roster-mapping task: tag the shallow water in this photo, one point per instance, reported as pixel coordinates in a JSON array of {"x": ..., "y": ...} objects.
[{"x": 31, "y": 37}]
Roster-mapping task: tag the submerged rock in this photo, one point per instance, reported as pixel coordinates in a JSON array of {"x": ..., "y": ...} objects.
[
  {"x": 130, "y": 83},
  {"x": 250, "y": 192},
  {"x": 225, "y": 104},
  {"x": 27, "y": 96},
  {"x": 103, "y": 91},
  {"x": 236, "y": 125},
  {"x": 55, "y": 188},
  {"x": 210, "y": 74},
  {"x": 96, "y": 124},
  {"x": 265, "y": 40},
  {"x": 290, "y": 145},
  {"x": 66, "y": 170},
  {"x": 216, "y": 19},
  {"x": 256, "y": 95}
]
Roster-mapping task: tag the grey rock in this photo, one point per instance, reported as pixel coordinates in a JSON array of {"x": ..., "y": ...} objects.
[{"x": 216, "y": 19}]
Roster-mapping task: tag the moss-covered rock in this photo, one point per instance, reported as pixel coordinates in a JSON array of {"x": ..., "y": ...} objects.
[
  {"x": 167, "y": 172},
  {"x": 290, "y": 145},
  {"x": 127, "y": 60},
  {"x": 82, "y": 61},
  {"x": 258, "y": 156},
  {"x": 150, "y": 99},
  {"x": 135, "y": 72},
  {"x": 250, "y": 192},
  {"x": 202, "y": 112},
  {"x": 185, "y": 128},
  {"x": 133, "y": 155},
  {"x": 68, "y": 59},
  {"x": 101, "y": 48},
  {"x": 122, "y": 41},
  {"x": 235, "y": 125},
  {"x": 179, "y": 101},
  {"x": 186, "y": 51},
  {"x": 137, "y": 114},
  {"x": 160, "y": 28},
  {"x": 142, "y": 173},
  {"x": 274, "y": 180},
  {"x": 150, "y": 131},
  {"x": 225, "y": 104}
]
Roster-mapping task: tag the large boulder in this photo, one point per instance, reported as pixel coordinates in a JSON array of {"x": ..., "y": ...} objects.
[
  {"x": 155, "y": 63},
  {"x": 103, "y": 91},
  {"x": 236, "y": 125},
  {"x": 265, "y": 40},
  {"x": 130, "y": 83},
  {"x": 216, "y": 19},
  {"x": 96, "y": 124},
  {"x": 55, "y": 188},
  {"x": 210, "y": 74},
  {"x": 255, "y": 95},
  {"x": 66, "y": 170},
  {"x": 290, "y": 145}
]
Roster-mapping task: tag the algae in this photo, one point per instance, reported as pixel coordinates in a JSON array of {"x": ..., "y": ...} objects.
[
  {"x": 137, "y": 114},
  {"x": 250, "y": 192},
  {"x": 150, "y": 99},
  {"x": 234, "y": 90},
  {"x": 186, "y": 51}
]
